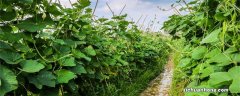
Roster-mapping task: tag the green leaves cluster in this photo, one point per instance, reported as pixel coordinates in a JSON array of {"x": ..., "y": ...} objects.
[
  {"x": 48, "y": 49},
  {"x": 212, "y": 32}
]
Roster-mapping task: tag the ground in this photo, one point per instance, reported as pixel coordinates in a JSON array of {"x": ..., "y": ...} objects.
[{"x": 161, "y": 86}]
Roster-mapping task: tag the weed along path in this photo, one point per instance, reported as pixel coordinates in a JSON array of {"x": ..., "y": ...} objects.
[{"x": 160, "y": 86}]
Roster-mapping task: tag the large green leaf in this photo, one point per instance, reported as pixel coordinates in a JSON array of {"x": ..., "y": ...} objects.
[
  {"x": 212, "y": 37},
  {"x": 199, "y": 52},
  {"x": 69, "y": 61},
  {"x": 63, "y": 76},
  {"x": 235, "y": 86},
  {"x": 43, "y": 78},
  {"x": 221, "y": 58},
  {"x": 235, "y": 75},
  {"x": 184, "y": 62},
  {"x": 79, "y": 54},
  {"x": 8, "y": 80},
  {"x": 90, "y": 51},
  {"x": 236, "y": 57},
  {"x": 31, "y": 66},
  {"x": 219, "y": 77},
  {"x": 10, "y": 57},
  {"x": 207, "y": 71},
  {"x": 79, "y": 69},
  {"x": 31, "y": 26}
]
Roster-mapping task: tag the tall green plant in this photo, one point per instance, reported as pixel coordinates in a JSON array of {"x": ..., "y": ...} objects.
[
  {"x": 46, "y": 49},
  {"x": 211, "y": 58}
]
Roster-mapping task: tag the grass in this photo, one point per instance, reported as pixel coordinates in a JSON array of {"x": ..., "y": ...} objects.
[
  {"x": 140, "y": 83},
  {"x": 178, "y": 82}
]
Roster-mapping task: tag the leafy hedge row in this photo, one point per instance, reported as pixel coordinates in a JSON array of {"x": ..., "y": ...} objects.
[
  {"x": 46, "y": 49},
  {"x": 211, "y": 57}
]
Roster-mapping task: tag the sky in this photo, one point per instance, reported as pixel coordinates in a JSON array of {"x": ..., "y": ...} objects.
[{"x": 144, "y": 12}]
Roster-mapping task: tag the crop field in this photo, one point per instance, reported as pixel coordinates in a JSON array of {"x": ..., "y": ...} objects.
[{"x": 47, "y": 49}]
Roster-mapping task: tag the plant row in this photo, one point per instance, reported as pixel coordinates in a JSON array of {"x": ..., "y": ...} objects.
[
  {"x": 49, "y": 50},
  {"x": 211, "y": 57}
]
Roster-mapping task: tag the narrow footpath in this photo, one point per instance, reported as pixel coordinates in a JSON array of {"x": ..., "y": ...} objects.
[{"x": 161, "y": 85}]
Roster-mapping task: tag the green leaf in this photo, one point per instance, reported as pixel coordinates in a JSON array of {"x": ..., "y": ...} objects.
[
  {"x": 235, "y": 86},
  {"x": 15, "y": 37},
  {"x": 10, "y": 57},
  {"x": 54, "y": 10},
  {"x": 184, "y": 62},
  {"x": 207, "y": 71},
  {"x": 212, "y": 53},
  {"x": 84, "y": 3},
  {"x": 8, "y": 16},
  {"x": 70, "y": 61},
  {"x": 221, "y": 58},
  {"x": 231, "y": 50},
  {"x": 79, "y": 69},
  {"x": 62, "y": 49},
  {"x": 22, "y": 48},
  {"x": 90, "y": 51},
  {"x": 43, "y": 78},
  {"x": 212, "y": 37},
  {"x": 63, "y": 76},
  {"x": 193, "y": 2},
  {"x": 4, "y": 45},
  {"x": 235, "y": 74},
  {"x": 8, "y": 80},
  {"x": 60, "y": 41},
  {"x": 26, "y": 1},
  {"x": 219, "y": 16},
  {"x": 31, "y": 26},
  {"x": 31, "y": 66},
  {"x": 236, "y": 58},
  {"x": 79, "y": 54},
  {"x": 219, "y": 77},
  {"x": 199, "y": 52}
]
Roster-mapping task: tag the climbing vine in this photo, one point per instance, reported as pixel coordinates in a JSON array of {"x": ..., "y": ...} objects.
[
  {"x": 46, "y": 49},
  {"x": 211, "y": 55}
]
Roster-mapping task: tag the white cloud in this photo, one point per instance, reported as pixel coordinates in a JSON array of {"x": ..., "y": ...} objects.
[{"x": 134, "y": 8}]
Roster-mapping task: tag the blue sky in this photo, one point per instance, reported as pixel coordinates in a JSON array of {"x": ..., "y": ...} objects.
[{"x": 135, "y": 9}]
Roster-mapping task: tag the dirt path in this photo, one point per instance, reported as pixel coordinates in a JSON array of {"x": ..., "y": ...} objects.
[{"x": 161, "y": 85}]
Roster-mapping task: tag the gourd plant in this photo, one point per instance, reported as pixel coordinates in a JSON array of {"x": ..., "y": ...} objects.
[
  {"x": 211, "y": 57},
  {"x": 46, "y": 49}
]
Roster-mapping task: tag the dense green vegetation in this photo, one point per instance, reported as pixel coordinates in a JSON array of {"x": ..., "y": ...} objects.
[
  {"x": 211, "y": 56},
  {"x": 48, "y": 50}
]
